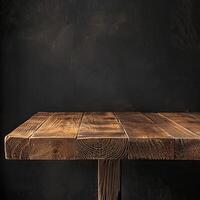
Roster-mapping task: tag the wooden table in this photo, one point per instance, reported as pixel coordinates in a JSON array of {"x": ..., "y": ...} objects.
[{"x": 107, "y": 137}]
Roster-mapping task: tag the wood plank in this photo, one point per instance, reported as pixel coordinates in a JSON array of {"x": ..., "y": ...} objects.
[
  {"x": 101, "y": 137},
  {"x": 146, "y": 139},
  {"x": 108, "y": 179},
  {"x": 186, "y": 143},
  {"x": 188, "y": 121},
  {"x": 170, "y": 126},
  {"x": 55, "y": 139},
  {"x": 17, "y": 142}
]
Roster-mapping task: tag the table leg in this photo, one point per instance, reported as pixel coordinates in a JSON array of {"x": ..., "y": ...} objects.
[{"x": 109, "y": 180}]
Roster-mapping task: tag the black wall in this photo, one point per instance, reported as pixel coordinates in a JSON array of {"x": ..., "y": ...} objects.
[{"x": 96, "y": 55}]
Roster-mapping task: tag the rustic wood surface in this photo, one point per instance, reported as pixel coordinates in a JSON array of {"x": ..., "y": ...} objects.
[
  {"x": 146, "y": 139},
  {"x": 17, "y": 142},
  {"x": 184, "y": 129},
  {"x": 55, "y": 139},
  {"x": 106, "y": 135},
  {"x": 101, "y": 137}
]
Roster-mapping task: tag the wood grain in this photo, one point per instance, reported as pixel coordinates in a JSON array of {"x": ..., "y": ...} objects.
[
  {"x": 146, "y": 139},
  {"x": 187, "y": 143},
  {"x": 17, "y": 142},
  {"x": 108, "y": 179},
  {"x": 106, "y": 135},
  {"x": 101, "y": 137},
  {"x": 55, "y": 139},
  {"x": 188, "y": 121}
]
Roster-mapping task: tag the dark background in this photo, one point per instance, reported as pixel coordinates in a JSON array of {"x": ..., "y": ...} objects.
[{"x": 96, "y": 55}]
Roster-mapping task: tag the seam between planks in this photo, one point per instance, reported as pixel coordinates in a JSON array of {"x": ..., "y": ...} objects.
[
  {"x": 158, "y": 126},
  {"x": 180, "y": 126},
  {"x": 81, "y": 120},
  {"x": 119, "y": 121},
  {"x": 29, "y": 138},
  {"x": 52, "y": 114},
  {"x": 26, "y": 138},
  {"x": 172, "y": 137},
  {"x": 127, "y": 136}
]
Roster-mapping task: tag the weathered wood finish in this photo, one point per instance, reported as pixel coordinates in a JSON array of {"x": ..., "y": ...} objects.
[
  {"x": 17, "y": 142},
  {"x": 186, "y": 142},
  {"x": 146, "y": 139},
  {"x": 55, "y": 139},
  {"x": 109, "y": 180},
  {"x": 186, "y": 146},
  {"x": 188, "y": 121},
  {"x": 101, "y": 137},
  {"x": 106, "y": 135}
]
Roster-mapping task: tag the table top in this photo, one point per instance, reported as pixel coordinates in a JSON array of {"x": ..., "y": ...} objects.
[{"x": 106, "y": 135}]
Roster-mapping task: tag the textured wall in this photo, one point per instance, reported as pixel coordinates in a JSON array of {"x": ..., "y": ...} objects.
[{"x": 64, "y": 55}]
